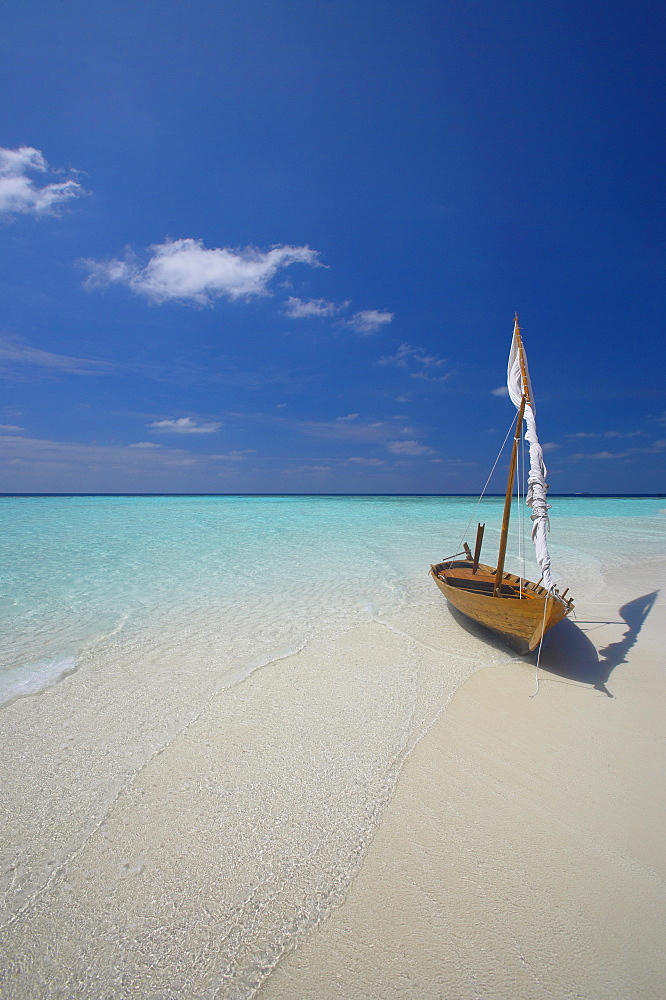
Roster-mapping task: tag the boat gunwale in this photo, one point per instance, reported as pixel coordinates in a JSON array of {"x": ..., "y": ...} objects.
[{"x": 486, "y": 574}]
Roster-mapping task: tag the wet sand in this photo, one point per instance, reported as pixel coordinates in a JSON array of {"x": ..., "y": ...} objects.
[
  {"x": 194, "y": 872},
  {"x": 522, "y": 852}
]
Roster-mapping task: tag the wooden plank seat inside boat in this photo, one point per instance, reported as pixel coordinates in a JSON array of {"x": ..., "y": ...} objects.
[
  {"x": 477, "y": 586},
  {"x": 483, "y": 581}
]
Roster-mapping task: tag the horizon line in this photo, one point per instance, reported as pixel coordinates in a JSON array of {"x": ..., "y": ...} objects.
[{"x": 581, "y": 495}]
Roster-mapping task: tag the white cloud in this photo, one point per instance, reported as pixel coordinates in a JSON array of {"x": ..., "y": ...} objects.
[
  {"x": 366, "y": 461},
  {"x": 409, "y": 448},
  {"x": 20, "y": 194},
  {"x": 369, "y": 320},
  {"x": 549, "y": 446},
  {"x": 184, "y": 270},
  {"x": 501, "y": 390},
  {"x": 11, "y": 428},
  {"x": 350, "y": 416},
  {"x": 184, "y": 425},
  {"x": 145, "y": 444},
  {"x": 305, "y": 309}
]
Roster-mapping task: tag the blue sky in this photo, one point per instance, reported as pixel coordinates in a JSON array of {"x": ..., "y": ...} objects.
[{"x": 278, "y": 246}]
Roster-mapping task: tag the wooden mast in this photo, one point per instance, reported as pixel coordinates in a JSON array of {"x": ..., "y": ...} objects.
[{"x": 507, "y": 502}]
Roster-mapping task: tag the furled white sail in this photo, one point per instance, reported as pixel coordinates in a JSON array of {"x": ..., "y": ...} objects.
[{"x": 518, "y": 383}]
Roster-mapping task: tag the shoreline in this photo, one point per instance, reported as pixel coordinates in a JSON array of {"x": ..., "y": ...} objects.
[
  {"x": 243, "y": 830},
  {"x": 522, "y": 851}
]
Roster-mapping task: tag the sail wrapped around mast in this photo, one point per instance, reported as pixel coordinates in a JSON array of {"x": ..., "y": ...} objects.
[{"x": 518, "y": 384}]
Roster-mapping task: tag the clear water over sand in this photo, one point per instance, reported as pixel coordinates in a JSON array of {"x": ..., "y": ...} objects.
[{"x": 207, "y": 704}]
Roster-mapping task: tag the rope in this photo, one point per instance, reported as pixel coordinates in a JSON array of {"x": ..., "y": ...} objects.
[
  {"x": 543, "y": 627},
  {"x": 519, "y": 519},
  {"x": 473, "y": 514}
]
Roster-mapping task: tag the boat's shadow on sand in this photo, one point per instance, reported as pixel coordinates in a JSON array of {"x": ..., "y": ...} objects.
[{"x": 569, "y": 652}]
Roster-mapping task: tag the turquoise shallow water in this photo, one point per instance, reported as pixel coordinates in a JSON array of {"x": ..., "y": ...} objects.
[
  {"x": 257, "y": 573},
  {"x": 180, "y": 826}
]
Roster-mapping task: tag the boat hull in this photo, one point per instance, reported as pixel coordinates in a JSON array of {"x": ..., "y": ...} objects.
[{"x": 521, "y": 615}]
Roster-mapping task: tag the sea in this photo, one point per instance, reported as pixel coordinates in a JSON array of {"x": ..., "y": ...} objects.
[{"x": 205, "y": 705}]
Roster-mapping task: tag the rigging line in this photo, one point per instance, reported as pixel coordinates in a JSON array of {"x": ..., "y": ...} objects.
[
  {"x": 518, "y": 517},
  {"x": 521, "y": 515},
  {"x": 536, "y": 669},
  {"x": 473, "y": 514}
]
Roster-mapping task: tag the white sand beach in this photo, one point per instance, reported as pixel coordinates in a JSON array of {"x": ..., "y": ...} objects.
[
  {"x": 522, "y": 853},
  {"x": 369, "y": 815}
]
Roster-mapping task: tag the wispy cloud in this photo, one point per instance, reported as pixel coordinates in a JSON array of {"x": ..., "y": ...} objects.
[
  {"x": 653, "y": 449},
  {"x": 379, "y": 432},
  {"x": 411, "y": 448},
  {"x": 184, "y": 425},
  {"x": 307, "y": 308},
  {"x": 364, "y": 322},
  {"x": 186, "y": 271},
  {"x": 22, "y": 355},
  {"x": 601, "y": 455},
  {"x": 357, "y": 460},
  {"x": 606, "y": 434},
  {"x": 408, "y": 353},
  {"x": 428, "y": 367},
  {"x": 347, "y": 430},
  {"x": 10, "y": 428},
  {"x": 60, "y": 459},
  {"x": 501, "y": 390},
  {"x": 18, "y": 192},
  {"x": 236, "y": 456},
  {"x": 426, "y": 376},
  {"x": 145, "y": 444},
  {"x": 297, "y": 470},
  {"x": 369, "y": 320}
]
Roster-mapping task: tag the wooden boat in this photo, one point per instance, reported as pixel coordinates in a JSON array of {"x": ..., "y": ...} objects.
[{"x": 518, "y": 610}]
